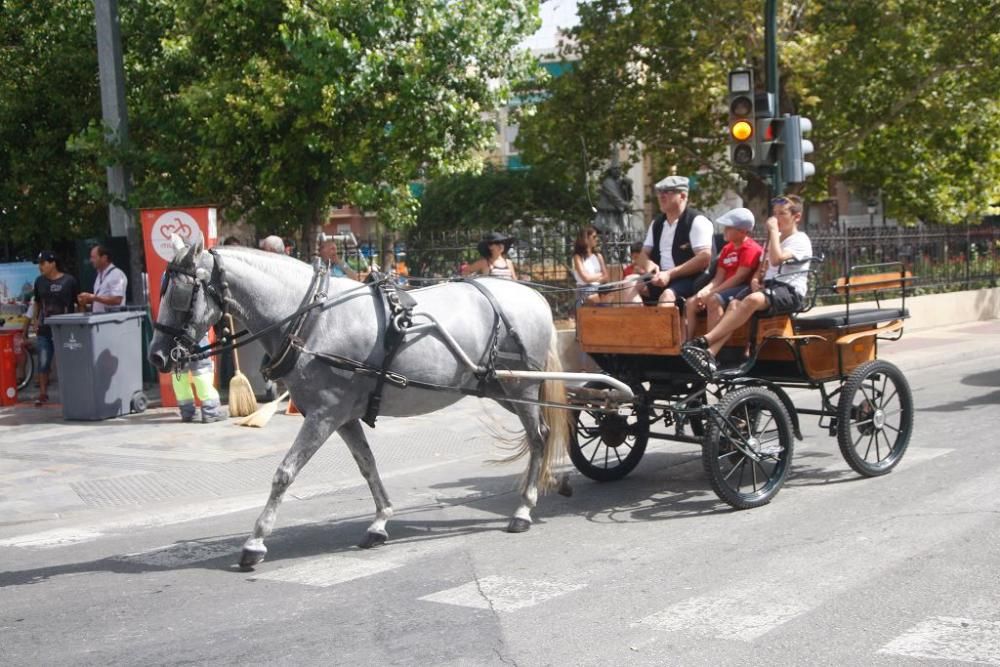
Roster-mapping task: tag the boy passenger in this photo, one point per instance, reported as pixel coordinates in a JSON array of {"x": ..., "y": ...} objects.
[
  {"x": 778, "y": 288},
  {"x": 737, "y": 264}
]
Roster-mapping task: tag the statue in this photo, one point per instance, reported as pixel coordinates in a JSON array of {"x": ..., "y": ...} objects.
[{"x": 614, "y": 210}]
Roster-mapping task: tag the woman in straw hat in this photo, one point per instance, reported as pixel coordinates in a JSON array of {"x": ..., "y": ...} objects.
[{"x": 494, "y": 261}]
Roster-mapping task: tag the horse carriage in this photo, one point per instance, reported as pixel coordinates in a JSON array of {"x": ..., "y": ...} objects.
[
  {"x": 743, "y": 416},
  {"x": 348, "y": 352}
]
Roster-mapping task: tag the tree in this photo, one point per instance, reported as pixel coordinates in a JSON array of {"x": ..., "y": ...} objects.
[
  {"x": 497, "y": 199},
  {"x": 299, "y": 105},
  {"x": 48, "y": 93},
  {"x": 901, "y": 93},
  {"x": 273, "y": 110}
]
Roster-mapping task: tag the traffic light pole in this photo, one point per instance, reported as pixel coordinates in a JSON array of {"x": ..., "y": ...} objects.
[{"x": 771, "y": 66}]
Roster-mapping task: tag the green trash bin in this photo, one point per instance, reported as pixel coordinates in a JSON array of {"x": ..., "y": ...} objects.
[{"x": 100, "y": 363}]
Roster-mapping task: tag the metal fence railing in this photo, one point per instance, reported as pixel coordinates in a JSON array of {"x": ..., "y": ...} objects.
[{"x": 941, "y": 257}]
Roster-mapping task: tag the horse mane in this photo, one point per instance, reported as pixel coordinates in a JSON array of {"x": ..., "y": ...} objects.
[{"x": 265, "y": 261}]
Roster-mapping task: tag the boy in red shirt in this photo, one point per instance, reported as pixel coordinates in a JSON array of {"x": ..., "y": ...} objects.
[{"x": 737, "y": 264}]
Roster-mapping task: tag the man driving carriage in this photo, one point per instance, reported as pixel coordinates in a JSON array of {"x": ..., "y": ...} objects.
[
  {"x": 679, "y": 241},
  {"x": 778, "y": 288}
]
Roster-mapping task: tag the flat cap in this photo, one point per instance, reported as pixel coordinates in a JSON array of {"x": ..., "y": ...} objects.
[
  {"x": 738, "y": 218},
  {"x": 670, "y": 183}
]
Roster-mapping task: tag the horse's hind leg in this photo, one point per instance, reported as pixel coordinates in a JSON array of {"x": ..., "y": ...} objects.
[
  {"x": 311, "y": 436},
  {"x": 354, "y": 436},
  {"x": 534, "y": 434}
]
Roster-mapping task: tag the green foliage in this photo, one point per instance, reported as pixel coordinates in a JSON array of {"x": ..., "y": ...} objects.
[
  {"x": 902, "y": 93},
  {"x": 271, "y": 109},
  {"x": 498, "y": 199}
]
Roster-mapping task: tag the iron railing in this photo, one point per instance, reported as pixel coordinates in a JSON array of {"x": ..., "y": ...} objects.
[{"x": 941, "y": 257}]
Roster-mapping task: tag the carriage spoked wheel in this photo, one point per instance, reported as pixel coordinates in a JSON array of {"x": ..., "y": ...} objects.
[
  {"x": 607, "y": 446},
  {"x": 874, "y": 418},
  {"x": 748, "y": 447}
]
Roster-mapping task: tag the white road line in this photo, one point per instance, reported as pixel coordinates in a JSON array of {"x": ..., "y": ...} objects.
[
  {"x": 52, "y": 538},
  {"x": 331, "y": 570},
  {"x": 202, "y": 510},
  {"x": 724, "y": 616},
  {"x": 502, "y": 593},
  {"x": 950, "y": 638}
]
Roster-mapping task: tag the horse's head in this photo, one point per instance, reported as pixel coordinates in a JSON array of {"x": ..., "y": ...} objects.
[{"x": 192, "y": 299}]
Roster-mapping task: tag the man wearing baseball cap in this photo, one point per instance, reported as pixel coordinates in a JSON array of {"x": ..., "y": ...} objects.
[
  {"x": 55, "y": 294},
  {"x": 679, "y": 241},
  {"x": 738, "y": 261}
]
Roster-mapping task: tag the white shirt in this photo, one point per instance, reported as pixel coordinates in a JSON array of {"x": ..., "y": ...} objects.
[
  {"x": 701, "y": 239},
  {"x": 794, "y": 272},
  {"x": 109, "y": 282},
  {"x": 591, "y": 265}
]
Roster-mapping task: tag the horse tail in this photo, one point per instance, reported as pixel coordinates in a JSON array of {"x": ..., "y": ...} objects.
[{"x": 555, "y": 419}]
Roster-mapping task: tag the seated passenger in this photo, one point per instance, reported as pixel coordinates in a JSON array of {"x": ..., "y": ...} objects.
[
  {"x": 631, "y": 291},
  {"x": 679, "y": 241},
  {"x": 778, "y": 288},
  {"x": 738, "y": 262},
  {"x": 493, "y": 262},
  {"x": 589, "y": 268}
]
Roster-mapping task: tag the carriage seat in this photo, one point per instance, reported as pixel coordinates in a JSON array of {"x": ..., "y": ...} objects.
[{"x": 849, "y": 318}]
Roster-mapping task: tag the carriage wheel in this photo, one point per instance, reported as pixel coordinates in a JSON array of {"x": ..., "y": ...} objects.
[
  {"x": 748, "y": 448},
  {"x": 606, "y": 447},
  {"x": 874, "y": 418}
]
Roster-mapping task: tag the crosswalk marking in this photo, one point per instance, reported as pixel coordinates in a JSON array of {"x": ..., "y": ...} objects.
[
  {"x": 729, "y": 617},
  {"x": 331, "y": 570},
  {"x": 502, "y": 593},
  {"x": 950, "y": 638}
]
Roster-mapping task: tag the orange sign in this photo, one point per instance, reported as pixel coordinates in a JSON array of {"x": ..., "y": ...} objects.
[{"x": 158, "y": 225}]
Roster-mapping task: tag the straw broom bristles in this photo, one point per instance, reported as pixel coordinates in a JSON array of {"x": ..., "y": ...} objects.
[
  {"x": 263, "y": 414},
  {"x": 242, "y": 401}
]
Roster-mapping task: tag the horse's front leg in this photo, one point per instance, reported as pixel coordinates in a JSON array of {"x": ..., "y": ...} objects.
[
  {"x": 354, "y": 436},
  {"x": 310, "y": 438}
]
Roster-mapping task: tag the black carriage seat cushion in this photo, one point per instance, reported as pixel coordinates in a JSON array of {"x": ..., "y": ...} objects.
[{"x": 840, "y": 319}]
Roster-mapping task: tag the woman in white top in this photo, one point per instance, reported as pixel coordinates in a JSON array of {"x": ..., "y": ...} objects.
[
  {"x": 494, "y": 261},
  {"x": 589, "y": 268}
]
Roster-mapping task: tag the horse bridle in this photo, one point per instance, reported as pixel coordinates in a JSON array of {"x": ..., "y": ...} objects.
[{"x": 182, "y": 299}]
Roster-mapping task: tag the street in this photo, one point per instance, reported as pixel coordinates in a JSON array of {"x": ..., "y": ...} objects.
[{"x": 119, "y": 542}]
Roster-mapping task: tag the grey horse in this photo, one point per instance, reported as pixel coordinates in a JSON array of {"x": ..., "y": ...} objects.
[{"x": 452, "y": 323}]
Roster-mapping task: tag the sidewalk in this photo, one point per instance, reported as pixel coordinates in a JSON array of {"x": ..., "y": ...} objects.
[{"x": 54, "y": 472}]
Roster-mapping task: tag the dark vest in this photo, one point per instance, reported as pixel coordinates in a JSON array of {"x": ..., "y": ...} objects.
[{"x": 681, "y": 250}]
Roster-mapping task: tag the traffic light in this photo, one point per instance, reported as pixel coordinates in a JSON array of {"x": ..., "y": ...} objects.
[
  {"x": 741, "y": 118},
  {"x": 769, "y": 141},
  {"x": 794, "y": 167}
]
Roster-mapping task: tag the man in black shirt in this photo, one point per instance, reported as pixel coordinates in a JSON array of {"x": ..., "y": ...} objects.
[{"x": 55, "y": 294}]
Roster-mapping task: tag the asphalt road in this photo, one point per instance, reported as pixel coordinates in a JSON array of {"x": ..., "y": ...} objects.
[{"x": 649, "y": 570}]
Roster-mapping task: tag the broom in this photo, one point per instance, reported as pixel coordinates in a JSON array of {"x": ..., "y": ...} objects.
[
  {"x": 263, "y": 414},
  {"x": 242, "y": 401}
]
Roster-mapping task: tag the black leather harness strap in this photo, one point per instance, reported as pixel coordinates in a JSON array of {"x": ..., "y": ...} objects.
[
  {"x": 284, "y": 359},
  {"x": 399, "y": 305}
]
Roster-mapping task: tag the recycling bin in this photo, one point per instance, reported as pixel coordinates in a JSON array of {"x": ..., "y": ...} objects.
[{"x": 99, "y": 356}]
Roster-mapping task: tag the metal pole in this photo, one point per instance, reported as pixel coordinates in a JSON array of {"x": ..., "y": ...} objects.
[
  {"x": 113, "y": 111},
  {"x": 771, "y": 66}
]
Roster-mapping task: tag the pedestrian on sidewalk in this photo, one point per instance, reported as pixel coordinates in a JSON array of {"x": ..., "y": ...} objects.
[
  {"x": 110, "y": 284},
  {"x": 55, "y": 294}
]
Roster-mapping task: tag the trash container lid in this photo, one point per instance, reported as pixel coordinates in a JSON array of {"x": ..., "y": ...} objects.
[{"x": 93, "y": 318}]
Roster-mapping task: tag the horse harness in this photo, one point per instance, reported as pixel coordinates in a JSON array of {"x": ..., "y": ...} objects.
[{"x": 397, "y": 304}]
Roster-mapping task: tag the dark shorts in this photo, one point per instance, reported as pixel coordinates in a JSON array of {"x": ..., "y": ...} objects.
[
  {"x": 727, "y": 295},
  {"x": 681, "y": 287},
  {"x": 45, "y": 348},
  {"x": 782, "y": 299}
]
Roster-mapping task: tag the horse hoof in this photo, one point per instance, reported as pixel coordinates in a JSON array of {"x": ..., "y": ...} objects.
[
  {"x": 373, "y": 539},
  {"x": 518, "y": 525},
  {"x": 251, "y": 557}
]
